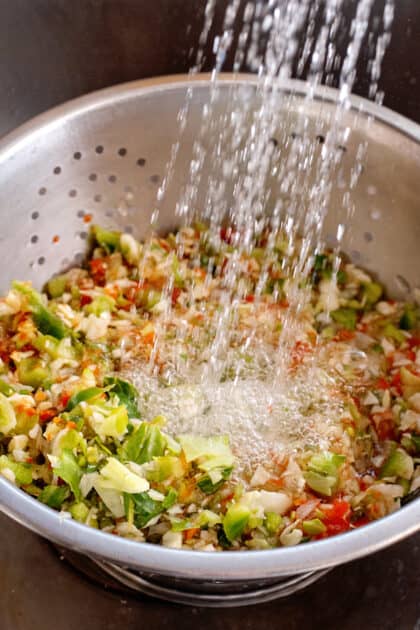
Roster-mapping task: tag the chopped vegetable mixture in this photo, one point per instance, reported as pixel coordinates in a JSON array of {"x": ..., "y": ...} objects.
[{"x": 73, "y": 435}]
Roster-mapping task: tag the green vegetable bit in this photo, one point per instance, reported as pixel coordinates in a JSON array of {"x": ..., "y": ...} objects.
[
  {"x": 33, "y": 372},
  {"x": 108, "y": 240},
  {"x": 83, "y": 396},
  {"x": 207, "y": 484},
  {"x": 398, "y": 464},
  {"x": 372, "y": 293},
  {"x": 273, "y": 522},
  {"x": 235, "y": 521},
  {"x": 313, "y": 527},
  {"x": 409, "y": 317},
  {"x": 126, "y": 392},
  {"x": 322, "y": 474},
  {"x": 345, "y": 317},
  {"x": 143, "y": 444},
  {"x": 46, "y": 322},
  {"x": 69, "y": 471},
  {"x": 22, "y": 472},
  {"x": 54, "y": 496},
  {"x": 145, "y": 508}
]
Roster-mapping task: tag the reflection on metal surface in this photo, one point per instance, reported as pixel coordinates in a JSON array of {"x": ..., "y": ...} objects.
[{"x": 215, "y": 594}]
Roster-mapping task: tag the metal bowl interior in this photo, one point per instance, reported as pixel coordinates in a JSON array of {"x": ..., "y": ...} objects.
[{"x": 105, "y": 155}]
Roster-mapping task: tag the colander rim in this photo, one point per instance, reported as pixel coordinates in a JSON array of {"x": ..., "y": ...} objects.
[{"x": 196, "y": 564}]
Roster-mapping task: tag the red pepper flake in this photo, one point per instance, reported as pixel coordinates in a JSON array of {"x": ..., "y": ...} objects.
[
  {"x": 250, "y": 298},
  {"x": 188, "y": 534},
  {"x": 85, "y": 299},
  {"x": 337, "y": 517},
  {"x": 98, "y": 267},
  {"x": 176, "y": 292},
  {"x": 382, "y": 383},
  {"x": 87, "y": 218},
  {"x": 64, "y": 399},
  {"x": 71, "y": 425},
  {"x": 411, "y": 355},
  {"x": 226, "y": 234},
  {"x": 56, "y": 239},
  {"x": 396, "y": 382},
  {"x": 413, "y": 342},
  {"x": 47, "y": 414},
  {"x": 344, "y": 335}
]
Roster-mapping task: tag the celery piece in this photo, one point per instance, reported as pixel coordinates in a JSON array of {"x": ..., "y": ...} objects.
[
  {"x": 79, "y": 512},
  {"x": 345, "y": 317},
  {"x": 33, "y": 372},
  {"x": 53, "y": 496},
  {"x": 222, "y": 539},
  {"x": 398, "y": 464},
  {"x": 273, "y": 522},
  {"x": 207, "y": 518},
  {"x": 69, "y": 439},
  {"x": 322, "y": 472},
  {"x": 5, "y": 388},
  {"x": 46, "y": 322},
  {"x": 7, "y": 415},
  {"x": 326, "y": 463},
  {"x": 323, "y": 484},
  {"x": 393, "y": 333},
  {"x": 235, "y": 521},
  {"x": 22, "y": 472},
  {"x": 56, "y": 286},
  {"x": 180, "y": 525},
  {"x": 130, "y": 249},
  {"x": 101, "y": 304},
  {"x": 107, "y": 239},
  {"x": 126, "y": 392},
  {"x": 83, "y": 396},
  {"x": 143, "y": 444},
  {"x": 207, "y": 484},
  {"x": 56, "y": 349},
  {"x": 341, "y": 277},
  {"x": 372, "y": 292},
  {"x": 67, "y": 468},
  {"x": 313, "y": 527},
  {"x": 409, "y": 317}
]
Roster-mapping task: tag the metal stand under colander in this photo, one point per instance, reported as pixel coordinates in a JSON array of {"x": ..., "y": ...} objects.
[{"x": 209, "y": 594}]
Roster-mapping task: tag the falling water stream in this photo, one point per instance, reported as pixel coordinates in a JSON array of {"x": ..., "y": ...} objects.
[{"x": 259, "y": 184}]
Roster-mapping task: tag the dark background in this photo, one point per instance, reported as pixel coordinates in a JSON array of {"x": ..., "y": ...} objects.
[{"x": 54, "y": 50}]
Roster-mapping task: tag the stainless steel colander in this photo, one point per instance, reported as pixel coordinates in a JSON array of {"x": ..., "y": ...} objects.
[{"x": 104, "y": 156}]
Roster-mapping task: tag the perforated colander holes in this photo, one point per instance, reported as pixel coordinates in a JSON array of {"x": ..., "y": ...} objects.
[
  {"x": 320, "y": 138},
  {"x": 39, "y": 262}
]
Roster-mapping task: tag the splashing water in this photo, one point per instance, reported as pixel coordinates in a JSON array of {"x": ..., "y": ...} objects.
[{"x": 261, "y": 186}]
